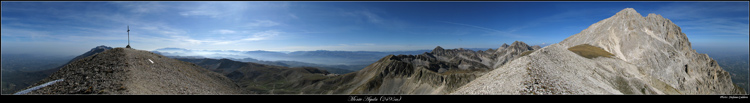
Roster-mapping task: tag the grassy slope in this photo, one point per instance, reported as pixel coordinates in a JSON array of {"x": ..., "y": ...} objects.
[
  {"x": 527, "y": 53},
  {"x": 589, "y": 51}
]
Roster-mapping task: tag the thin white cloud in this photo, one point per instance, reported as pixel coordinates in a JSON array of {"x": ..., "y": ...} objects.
[
  {"x": 191, "y": 42},
  {"x": 33, "y": 34},
  {"x": 355, "y": 47},
  {"x": 225, "y": 31},
  {"x": 263, "y": 35},
  {"x": 263, "y": 23},
  {"x": 210, "y": 9},
  {"x": 293, "y": 16},
  {"x": 372, "y": 17},
  {"x": 143, "y": 7},
  {"x": 218, "y": 10},
  {"x": 719, "y": 26},
  {"x": 366, "y": 44},
  {"x": 365, "y": 15},
  {"x": 12, "y": 19},
  {"x": 377, "y": 18},
  {"x": 157, "y": 28},
  {"x": 209, "y": 13},
  {"x": 700, "y": 10}
]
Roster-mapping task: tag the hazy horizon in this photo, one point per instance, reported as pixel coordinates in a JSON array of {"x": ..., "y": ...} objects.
[{"x": 72, "y": 28}]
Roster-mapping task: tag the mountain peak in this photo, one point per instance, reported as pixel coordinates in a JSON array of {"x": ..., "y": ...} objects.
[
  {"x": 652, "y": 47},
  {"x": 628, "y": 12},
  {"x": 101, "y": 47},
  {"x": 438, "y": 48},
  {"x": 518, "y": 43},
  {"x": 502, "y": 47},
  {"x": 93, "y": 51},
  {"x": 652, "y": 44},
  {"x": 620, "y": 33},
  {"x": 506, "y": 53}
]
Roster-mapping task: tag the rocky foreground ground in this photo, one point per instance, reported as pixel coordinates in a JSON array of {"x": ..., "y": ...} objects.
[{"x": 130, "y": 71}]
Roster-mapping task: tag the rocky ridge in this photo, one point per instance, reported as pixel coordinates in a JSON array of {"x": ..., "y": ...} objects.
[{"x": 440, "y": 71}]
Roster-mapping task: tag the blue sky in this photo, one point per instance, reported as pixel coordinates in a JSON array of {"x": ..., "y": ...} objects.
[{"x": 72, "y": 28}]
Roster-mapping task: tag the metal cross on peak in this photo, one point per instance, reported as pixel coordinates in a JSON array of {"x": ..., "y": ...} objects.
[{"x": 128, "y": 37}]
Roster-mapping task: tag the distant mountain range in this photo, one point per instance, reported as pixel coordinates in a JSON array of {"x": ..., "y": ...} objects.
[
  {"x": 337, "y": 69},
  {"x": 324, "y": 57},
  {"x": 339, "y": 62}
]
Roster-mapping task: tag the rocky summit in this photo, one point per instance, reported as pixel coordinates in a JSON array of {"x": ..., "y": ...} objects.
[
  {"x": 130, "y": 71},
  {"x": 650, "y": 55}
]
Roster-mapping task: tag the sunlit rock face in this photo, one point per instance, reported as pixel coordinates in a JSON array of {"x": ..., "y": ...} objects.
[{"x": 651, "y": 56}]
